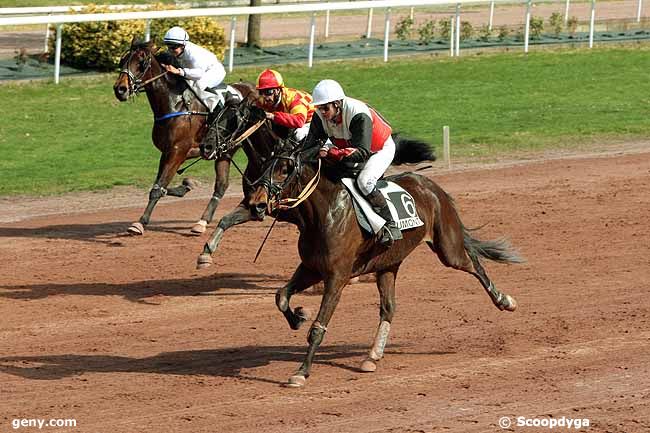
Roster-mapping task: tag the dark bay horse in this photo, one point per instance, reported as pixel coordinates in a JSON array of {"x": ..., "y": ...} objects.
[
  {"x": 180, "y": 123},
  {"x": 333, "y": 248}
]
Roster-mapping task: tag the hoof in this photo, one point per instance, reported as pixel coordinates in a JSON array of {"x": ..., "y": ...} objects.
[
  {"x": 296, "y": 381},
  {"x": 199, "y": 227},
  {"x": 303, "y": 313},
  {"x": 512, "y": 304},
  {"x": 136, "y": 229},
  {"x": 368, "y": 366},
  {"x": 204, "y": 261},
  {"x": 190, "y": 183}
]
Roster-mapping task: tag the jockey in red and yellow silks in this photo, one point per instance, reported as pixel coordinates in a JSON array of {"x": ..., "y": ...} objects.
[
  {"x": 284, "y": 106},
  {"x": 359, "y": 137}
]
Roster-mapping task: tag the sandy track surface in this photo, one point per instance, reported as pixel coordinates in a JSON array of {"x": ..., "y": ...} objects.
[{"x": 124, "y": 335}]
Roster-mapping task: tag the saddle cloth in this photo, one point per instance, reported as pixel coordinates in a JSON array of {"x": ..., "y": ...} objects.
[{"x": 400, "y": 203}]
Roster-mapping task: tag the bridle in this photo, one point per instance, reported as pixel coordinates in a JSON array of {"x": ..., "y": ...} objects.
[{"x": 136, "y": 84}]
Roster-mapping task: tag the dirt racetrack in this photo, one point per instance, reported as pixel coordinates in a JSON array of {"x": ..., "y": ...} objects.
[{"x": 122, "y": 334}]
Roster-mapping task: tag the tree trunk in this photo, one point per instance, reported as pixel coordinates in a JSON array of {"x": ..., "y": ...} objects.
[{"x": 254, "y": 27}]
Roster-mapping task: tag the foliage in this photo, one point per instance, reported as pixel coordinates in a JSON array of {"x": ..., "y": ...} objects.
[
  {"x": 466, "y": 30},
  {"x": 99, "y": 45},
  {"x": 76, "y": 136},
  {"x": 445, "y": 29},
  {"x": 426, "y": 32},
  {"x": 404, "y": 28},
  {"x": 572, "y": 25},
  {"x": 503, "y": 33},
  {"x": 536, "y": 27},
  {"x": 556, "y": 21},
  {"x": 485, "y": 33}
]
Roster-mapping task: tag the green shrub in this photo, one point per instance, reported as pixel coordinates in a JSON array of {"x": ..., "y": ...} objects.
[
  {"x": 99, "y": 45},
  {"x": 536, "y": 27},
  {"x": 404, "y": 28},
  {"x": 426, "y": 32},
  {"x": 484, "y": 33},
  {"x": 445, "y": 29},
  {"x": 466, "y": 30},
  {"x": 572, "y": 25},
  {"x": 503, "y": 33},
  {"x": 556, "y": 21}
]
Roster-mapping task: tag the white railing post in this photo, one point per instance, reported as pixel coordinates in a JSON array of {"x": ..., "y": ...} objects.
[
  {"x": 638, "y": 11},
  {"x": 386, "y": 33},
  {"x": 491, "y": 22},
  {"x": 46, "y": 47},
  {"x": 457, "y": 29},
  {"x": 527, "y": 26},
  {"x": 57, "y": 54},
  {"x": 451, "y": 36},
  {"x": 412, "y": 14},
  {"x": 327, "y": 24},
  {"x": 592, "y": 23},
  {"x": 312, "y": 33},
  {"x": 147, "y": 30},
  {"x": 231, "y": 51},
  {"x": 369, "y": 25},
  {"x": 566, "y": 12}
]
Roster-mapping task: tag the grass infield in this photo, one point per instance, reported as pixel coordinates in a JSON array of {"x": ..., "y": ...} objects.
[{"x": 76, "y": 136}]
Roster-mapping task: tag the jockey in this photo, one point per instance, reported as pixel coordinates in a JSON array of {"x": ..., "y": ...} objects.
[
  {"x": 358, "y": 134},
  {"x": 284, "y": 106},
  {"x": 197, "y": 64}
]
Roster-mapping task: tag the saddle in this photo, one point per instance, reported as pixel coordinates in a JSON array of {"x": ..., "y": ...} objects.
[
  {"x": 214, "y": 97},
  {"x": 400, "y": 203}
]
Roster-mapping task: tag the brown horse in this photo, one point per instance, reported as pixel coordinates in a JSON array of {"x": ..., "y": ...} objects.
[
  {"x": 180, "y": 123},
  {"x": 334, "y": 248}
]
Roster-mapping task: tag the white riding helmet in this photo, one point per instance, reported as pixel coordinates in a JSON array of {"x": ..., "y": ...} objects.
[
  {"x": 327, "y": 91},
  {"x": 176, "y": 36}
]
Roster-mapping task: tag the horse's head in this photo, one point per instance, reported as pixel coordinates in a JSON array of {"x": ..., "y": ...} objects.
[
  {"x": 282, "y": 179},
  {"x": 135, "y": 68},
  {"x": 229, "y": 126}
]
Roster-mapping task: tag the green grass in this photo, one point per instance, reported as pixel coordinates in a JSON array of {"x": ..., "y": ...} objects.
[{"x": 77, "y": 136}]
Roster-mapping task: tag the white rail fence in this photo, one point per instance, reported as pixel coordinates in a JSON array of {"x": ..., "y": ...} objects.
[{"x": 56, "y": 16}]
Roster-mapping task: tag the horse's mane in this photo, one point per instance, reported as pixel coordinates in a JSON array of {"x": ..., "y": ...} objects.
[{"x": 167, "y": 58}]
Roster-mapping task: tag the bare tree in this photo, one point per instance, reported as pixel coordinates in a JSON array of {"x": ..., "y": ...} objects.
[{"x": 254, "y": 27}]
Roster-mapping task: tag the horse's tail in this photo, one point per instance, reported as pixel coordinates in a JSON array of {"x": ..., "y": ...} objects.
[
  {"x": 498, "y": 250},
  {"x": 410, "y": 151}
]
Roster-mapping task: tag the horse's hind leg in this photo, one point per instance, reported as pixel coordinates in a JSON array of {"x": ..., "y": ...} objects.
[
  {"x": 240, "y": 215},
  {"x": 458, "y": 257},
  {"x": 386, "y": 286},
  {"x": 221, "y": 171},
  {"x": 302, "y": 279},
  {"x": 333, "y": 288}
]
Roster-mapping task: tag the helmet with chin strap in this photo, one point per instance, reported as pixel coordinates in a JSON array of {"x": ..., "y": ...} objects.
[
  {"x": 176, "y": 36},
  {"x": 327, "y": 91}
]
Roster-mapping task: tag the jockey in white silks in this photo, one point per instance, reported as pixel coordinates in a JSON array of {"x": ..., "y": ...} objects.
[
  {"x": 198, "y": 65},
  {"x": 358, "y": 134}
]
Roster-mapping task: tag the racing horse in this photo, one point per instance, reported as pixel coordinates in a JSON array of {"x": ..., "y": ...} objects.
[
  {"x": 333, "y": 248},
  {"x": 180, "y": 123}
]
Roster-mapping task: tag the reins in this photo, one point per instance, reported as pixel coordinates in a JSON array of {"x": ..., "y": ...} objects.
[{"x": 310, "y": 187}]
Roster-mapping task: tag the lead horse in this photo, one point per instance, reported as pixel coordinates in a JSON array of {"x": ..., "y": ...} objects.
[
  {"x": 180, "y": 124},
  {"x": 333, "y": 248}
]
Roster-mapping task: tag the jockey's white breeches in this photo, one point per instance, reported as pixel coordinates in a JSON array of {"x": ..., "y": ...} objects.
[
  {"x": 211, "y": 78},
  {"x": 376, "y": 166}
]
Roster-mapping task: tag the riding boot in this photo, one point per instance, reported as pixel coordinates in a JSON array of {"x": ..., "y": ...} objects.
[{"x": 390, "y": 232}]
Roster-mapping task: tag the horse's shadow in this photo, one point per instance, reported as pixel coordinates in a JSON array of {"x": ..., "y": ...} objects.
[
  {"x": 138, "y": 291},
  {"x": 109, "y": 233},
  {"x": 226, "y": 362}
]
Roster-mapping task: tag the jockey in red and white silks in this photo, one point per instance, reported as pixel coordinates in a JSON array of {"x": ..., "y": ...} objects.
[
  {"x": 197, "y": 64},
  {"x": 358, "y": 134}
]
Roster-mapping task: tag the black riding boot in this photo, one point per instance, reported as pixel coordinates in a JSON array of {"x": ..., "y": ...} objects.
[{"x": 390, "y": 232}]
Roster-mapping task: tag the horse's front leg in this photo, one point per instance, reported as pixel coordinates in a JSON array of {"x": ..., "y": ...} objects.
[
  {"x": 221, "y": 170},
  {"x": 240, "y": 215},
  {"x": 169, "y": 163},
  {"x": 302, "y": 279},
  {"x": 334, "y": 284}
]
